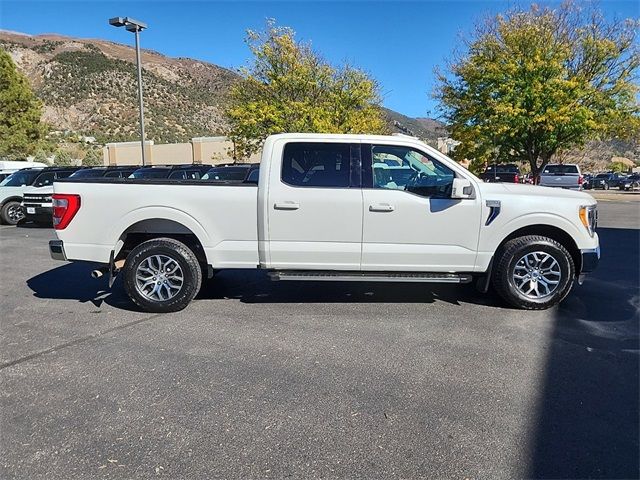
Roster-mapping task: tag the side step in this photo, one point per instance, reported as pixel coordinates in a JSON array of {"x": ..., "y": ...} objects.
[{"x": 355, "y": 276}]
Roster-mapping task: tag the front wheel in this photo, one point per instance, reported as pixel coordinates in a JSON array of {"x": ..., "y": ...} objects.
[
  {"x": 11, "y": 213},
  {"x": 533, "y": 272},
  {"x": 162, "y": 275}
]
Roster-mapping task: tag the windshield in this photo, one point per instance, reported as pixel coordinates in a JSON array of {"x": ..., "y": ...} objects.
[
  {"x": 150, "y": 173},
  {"x": 88, "y": 173},
  {"x": 19, "y": 179},
  {"x": 502, "y": 168},
  {"x": 226, "y": 173},
  {"x": 561, "y": 169}
]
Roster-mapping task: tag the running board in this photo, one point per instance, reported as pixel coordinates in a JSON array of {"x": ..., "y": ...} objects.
[{"x": 319, "y": 276}]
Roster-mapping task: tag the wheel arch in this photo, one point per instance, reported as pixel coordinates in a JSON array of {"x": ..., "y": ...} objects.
[
  {"x": 550, "y": 231},
  {"x": 16, "y": 198},
  {"x": 151, "y": 228}
]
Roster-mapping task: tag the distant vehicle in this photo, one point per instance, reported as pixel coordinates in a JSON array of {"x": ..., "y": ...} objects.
[
  {"x": 605, "y": 181},
  {"x": 107, "y": 172},
  {"x": 632, "y": 182},
  {"x": 36, "y": 200},
  {"x": 171, "y": 172},
  {"x": 566, "y": 175},
  {"x": 11, "y": 190},
  {"x": 586, "y": 182},
  {"x": 508, "y": 173},
  {"x": 238, "y": 172},
  {"x": 37, "y": 204},
  {"x": 7, "y": 167}
]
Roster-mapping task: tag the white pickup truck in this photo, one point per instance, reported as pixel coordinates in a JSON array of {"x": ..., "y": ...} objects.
[{"x": 331, "y": 207}]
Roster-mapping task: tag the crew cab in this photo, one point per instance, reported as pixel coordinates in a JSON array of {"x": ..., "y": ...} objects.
[{"x": 331, "y": 207}]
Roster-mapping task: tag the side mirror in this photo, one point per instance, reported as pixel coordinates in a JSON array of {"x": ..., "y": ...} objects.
[{"x": 461, "y": 188}]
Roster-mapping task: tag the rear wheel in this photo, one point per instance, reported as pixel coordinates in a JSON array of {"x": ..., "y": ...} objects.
[
  {"x": 533, "y": 272},
  {"x": 11, "y": 213},
  {"x": 162, "y": 275}
]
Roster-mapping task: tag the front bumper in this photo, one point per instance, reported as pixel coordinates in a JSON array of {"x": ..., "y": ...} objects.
[
  {"x": 56, "y": 250},
  {"x": 38, "y": 213},
  {"x": 590, "y": 260}
]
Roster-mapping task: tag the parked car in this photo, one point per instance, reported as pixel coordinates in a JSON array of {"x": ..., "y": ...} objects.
[
  {"x": 171, "y": 172},
  {"x": 631, "y": 182},
  {"x": 586, "y": 181},
  {"x": 605, "y": 181},
  {"x": 235, "y": 172},
  {"x": 319, "y": 213},
  {"x": 7, "y": 167},
  {"x": 509, "y": 173},
  {"x": 37, "y": 202},
  {"x": 565, "y": 175},
  {"x": 11, "y": 190}
]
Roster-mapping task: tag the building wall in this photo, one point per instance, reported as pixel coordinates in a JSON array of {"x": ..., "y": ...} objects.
[{"x": 207, "y": 150}]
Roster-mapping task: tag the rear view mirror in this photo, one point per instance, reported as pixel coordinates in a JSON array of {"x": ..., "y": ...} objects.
[{"x": 461, "y": 188}]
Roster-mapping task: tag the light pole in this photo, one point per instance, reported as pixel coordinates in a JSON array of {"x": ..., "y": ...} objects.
[{"x": 135, "y": 27}]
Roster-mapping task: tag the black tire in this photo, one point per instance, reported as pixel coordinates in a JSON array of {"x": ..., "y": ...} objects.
[
  {"x": 8, "y": 215},
  {"x": 606, "y": 186},
  {"x": 516, "y": 249},
  {"x": 174, "y": 250}
]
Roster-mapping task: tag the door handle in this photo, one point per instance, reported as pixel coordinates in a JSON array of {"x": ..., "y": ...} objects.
[
  {"x": 381, "y": 207},
  {"x": 286, "y": 206}
]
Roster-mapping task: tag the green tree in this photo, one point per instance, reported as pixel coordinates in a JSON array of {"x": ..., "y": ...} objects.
[
  {"x": 20, "y": 112},
  {"x": 62, "y": 158},
  {"x": 534, "y": 83},
  {"x": 93, "y": 158},
  {"x": 290, "y": 88}
]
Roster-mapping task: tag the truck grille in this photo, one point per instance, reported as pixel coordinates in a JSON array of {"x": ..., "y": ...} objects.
[{"x": 30, "y": 199}]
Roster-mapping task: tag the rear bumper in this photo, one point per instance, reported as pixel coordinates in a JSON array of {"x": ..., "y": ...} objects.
[
  {"x": 590, "y": 259},
  {"x": 56, "y": 250}
]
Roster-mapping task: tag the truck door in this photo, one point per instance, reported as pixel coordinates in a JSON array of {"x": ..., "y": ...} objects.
[
  {"x": 410, "y": 223},
  {"x": 314, "y": 206}
]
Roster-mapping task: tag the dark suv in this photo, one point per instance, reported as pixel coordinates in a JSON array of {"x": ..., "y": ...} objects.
[
  {"x": 508, "y": 173},
  {"x": 171, "y": 172},
  {"x": 234, "y": 172},
  {"x": 605, "y": 181}
]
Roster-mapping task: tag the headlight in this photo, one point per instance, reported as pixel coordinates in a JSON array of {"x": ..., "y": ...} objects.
[{"x": 589, "y": 217}]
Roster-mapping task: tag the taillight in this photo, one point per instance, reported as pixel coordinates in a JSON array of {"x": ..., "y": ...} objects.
[
  {"x": 580, "y": 180},
  {"x": 516, "y": 179},
  {"x": 65, "y": 208}
]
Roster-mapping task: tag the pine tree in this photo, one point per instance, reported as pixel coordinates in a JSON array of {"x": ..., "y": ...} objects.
[{"x": 20, "y": 112}]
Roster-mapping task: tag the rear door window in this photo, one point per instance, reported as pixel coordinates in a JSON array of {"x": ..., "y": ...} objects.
[{"x": 316, "y": 164}]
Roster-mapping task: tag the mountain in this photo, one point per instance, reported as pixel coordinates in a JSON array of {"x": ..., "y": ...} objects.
[{"x": 89, "y": 86}]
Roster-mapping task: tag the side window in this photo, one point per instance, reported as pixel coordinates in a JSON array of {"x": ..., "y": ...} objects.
[
  {"x": 112, "y": 174},
  {"x": 63, "y": 174},
  {"x": 404, "y": 168},
  {"x": 192, "y": 175},
  {"x": 179, "y": 175},
  {"x": 44, "y": 179},
  {"x": 316, "y": 164}
]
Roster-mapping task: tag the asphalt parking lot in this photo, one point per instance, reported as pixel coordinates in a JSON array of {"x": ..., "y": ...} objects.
[{"x": 313, "y": 380}]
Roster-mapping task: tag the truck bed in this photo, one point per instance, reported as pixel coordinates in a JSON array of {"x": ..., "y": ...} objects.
[{"x": 223, "y": 215}]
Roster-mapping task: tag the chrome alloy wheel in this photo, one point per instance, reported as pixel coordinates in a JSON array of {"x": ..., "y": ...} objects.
[
  {"x": 159, "y": 278},
  {"x": 537, "y": 275},
  {"x": 15, "y": 213}
]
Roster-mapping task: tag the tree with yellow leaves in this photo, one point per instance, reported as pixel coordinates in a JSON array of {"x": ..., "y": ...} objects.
[
  {"x": 533, "y": 83},
  {"x": 290, "y": 88}
]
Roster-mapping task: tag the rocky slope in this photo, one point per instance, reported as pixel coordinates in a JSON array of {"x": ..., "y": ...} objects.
[{"x": 89, "y": 86}]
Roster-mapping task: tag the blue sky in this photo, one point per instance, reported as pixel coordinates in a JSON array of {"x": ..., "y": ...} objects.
[{"x": 398, "y": 43}]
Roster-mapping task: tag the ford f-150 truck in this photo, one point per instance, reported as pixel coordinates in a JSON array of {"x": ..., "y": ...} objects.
[{"x": 331, "y": 207}]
